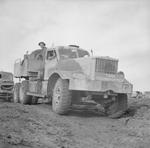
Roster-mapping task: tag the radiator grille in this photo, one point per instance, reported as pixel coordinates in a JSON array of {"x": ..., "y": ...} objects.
[
  {"x": 106, "y": 66},
  {"x": 7, "y": 87}
]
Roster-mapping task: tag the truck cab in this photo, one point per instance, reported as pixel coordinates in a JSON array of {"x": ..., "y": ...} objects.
[
  {"x": 61, "y": 54},
  {"x": 66, "y": 74}
]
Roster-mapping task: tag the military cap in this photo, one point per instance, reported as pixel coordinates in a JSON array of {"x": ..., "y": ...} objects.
[{"x": 42, "y": 43}]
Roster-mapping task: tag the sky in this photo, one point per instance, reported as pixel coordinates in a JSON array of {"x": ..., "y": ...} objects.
[{"x": 115, "y": 28}]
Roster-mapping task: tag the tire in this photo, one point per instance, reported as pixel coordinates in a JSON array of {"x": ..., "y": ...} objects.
[
  {"x": 16, "y": 93},
  {"x": 24, "y": 98},
  {"x": 118, "y": 107},
  {"x": 61, "y": 97},
  {"x": 34, "y": 100}
]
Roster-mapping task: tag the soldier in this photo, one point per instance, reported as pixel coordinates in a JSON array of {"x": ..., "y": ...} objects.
[{"x": 43, "y": 47}]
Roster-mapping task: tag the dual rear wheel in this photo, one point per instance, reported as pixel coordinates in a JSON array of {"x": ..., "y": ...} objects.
[
  {"x": 20, "y": 94},
  {"x": 16, "y": 92}
]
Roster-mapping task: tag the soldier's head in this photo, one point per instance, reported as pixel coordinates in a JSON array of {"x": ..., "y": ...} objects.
[{"x": 42, "y": 44}]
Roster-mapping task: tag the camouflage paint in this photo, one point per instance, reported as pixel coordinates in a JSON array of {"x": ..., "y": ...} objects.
[{"x": 81, "y": 74}]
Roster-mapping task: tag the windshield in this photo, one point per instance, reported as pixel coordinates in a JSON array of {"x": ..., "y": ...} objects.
[
  {"x": 83, "y": 53},
  {"x": 66, "y": 53}
]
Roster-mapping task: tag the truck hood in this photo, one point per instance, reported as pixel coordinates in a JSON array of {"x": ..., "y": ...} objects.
[{"x": 90, "y": 67}]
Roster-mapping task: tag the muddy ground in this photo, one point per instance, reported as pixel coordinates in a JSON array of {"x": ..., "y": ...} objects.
[{"x": 36, "y": 126}]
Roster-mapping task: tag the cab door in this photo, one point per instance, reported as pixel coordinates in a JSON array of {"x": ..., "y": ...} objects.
[{"x": 50, "y": 62}]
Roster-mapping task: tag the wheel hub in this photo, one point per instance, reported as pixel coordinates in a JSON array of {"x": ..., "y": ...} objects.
[{"x": 57, "y": 95}]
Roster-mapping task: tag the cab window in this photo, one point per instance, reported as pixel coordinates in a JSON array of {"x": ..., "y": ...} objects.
[
  {"x": 51, "y": 54},
  {"x": 83, "y": 53}
]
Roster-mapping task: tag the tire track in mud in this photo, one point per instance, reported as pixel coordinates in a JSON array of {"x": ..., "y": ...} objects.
[{"x": 88, "y": 129}]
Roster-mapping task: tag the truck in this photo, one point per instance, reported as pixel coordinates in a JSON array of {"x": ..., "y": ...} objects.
[
  {"x": 6, "y": 85},
  {"x": 68, "y": 75}
]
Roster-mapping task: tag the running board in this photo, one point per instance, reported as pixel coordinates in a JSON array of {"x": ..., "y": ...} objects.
[{"x": 35, "y": 94}]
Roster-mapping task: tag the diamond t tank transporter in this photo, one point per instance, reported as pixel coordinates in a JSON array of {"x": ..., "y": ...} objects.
[{"x": 67, "y": 74}]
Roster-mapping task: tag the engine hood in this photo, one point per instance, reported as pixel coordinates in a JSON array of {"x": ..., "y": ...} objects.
[
  {"x": 81, "y": 64},
  {"x": 90, "y": 67}
]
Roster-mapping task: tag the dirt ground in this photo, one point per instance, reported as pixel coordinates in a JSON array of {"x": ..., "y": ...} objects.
[{"x": 36, "y": 126}]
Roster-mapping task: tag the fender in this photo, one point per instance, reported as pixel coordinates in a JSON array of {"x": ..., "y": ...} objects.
[
  {"x": 53, "y": 78},
  {"x": 61, "y": 74}
]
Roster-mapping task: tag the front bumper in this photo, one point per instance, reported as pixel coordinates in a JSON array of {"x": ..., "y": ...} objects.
[{"x": 100, "y": 85}]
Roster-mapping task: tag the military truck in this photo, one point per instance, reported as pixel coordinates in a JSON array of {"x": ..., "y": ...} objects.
[
  {"x": 6, "y": 85},
  {"x": 67, "y": 74}
]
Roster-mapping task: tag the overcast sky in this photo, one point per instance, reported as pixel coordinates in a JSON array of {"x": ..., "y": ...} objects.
[{"x": 116, "y": 28}]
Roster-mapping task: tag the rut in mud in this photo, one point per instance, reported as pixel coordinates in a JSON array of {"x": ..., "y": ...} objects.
[{"x": 27, "y": 126}]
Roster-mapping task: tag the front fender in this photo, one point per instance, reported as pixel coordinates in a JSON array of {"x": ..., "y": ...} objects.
[
  {"x": 61, "y": 74},
  {"x": 54, "y": 76}
]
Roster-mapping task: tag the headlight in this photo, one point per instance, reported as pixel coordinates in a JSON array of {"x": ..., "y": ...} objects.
[
  {"x": 125, "y": 86},
  {"x": 120, "y": 74}
]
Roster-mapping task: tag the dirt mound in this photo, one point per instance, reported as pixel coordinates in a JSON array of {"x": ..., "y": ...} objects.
[
  {"x": 137, "y": 123},
  {"x": 140, "y": 107}
]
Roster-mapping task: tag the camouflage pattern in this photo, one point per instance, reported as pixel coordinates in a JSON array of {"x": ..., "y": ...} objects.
[
  {"x": 6, "y": 84},
  {"x": 85, "y": 73}
]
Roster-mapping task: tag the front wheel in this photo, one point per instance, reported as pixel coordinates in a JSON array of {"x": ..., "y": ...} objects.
[{"x": 61, "y": 99}]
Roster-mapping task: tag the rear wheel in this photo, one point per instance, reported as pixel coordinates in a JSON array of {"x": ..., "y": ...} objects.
[
  {"x": 61, "y": 97},
  {"x": 16, "y": 93},
  {"x": 24, "y": 98},
  {"x": 116, "y": 108}
]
